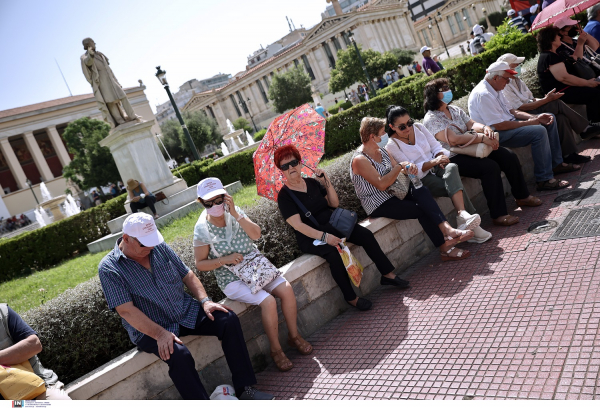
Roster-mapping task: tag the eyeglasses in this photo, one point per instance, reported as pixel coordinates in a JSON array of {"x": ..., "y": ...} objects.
[
  {"x": 444, "y": 88},
  {"x": 138, "y": 241},
  {"x": 505, "y": 78},
  {"x": 403, "y": 126},
  {"x": 287, "y": 165},
  {"x": 215, "y": 201}
]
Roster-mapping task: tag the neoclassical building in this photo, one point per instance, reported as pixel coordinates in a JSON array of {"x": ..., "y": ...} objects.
[
  {"x": 382, "y": 26},
  {"x": 32, "y": 149}
]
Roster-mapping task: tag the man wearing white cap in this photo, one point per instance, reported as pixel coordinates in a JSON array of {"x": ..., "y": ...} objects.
[
  {"x": 429, "y": 65},
  {"x": 568, "y": 121},
  {"x": 487, "y": 105},
  {"x": 142, "y": 279},
  {"x": 476, "y": 46},
  {"x": 517, "y": 21}
]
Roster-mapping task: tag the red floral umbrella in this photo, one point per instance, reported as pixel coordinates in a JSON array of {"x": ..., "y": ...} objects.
[
  {"x": 560, "y": 9},
  {"x": 304, "y": 128}
]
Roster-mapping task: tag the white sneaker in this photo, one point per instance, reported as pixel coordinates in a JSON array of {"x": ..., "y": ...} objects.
[
  {"x": 481, "y": 236},
  {"x": 466, "y": 221}
]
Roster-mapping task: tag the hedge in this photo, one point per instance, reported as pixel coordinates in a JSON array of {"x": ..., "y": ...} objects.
[
  {"x": 401, "y": 82},
  {"x": 333, "y": 110},
  {"x": 259, "y": 135},
  {"x": 49, "y": 245}
]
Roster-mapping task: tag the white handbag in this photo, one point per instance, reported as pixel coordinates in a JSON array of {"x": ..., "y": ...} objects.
[{"x": 479, "y": 150}]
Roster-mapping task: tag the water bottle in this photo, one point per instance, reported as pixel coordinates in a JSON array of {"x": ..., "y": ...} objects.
[{"x": 416, "y": 181}]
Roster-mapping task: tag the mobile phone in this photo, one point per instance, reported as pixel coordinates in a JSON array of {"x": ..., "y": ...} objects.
[{"x": 226, "y": 207}]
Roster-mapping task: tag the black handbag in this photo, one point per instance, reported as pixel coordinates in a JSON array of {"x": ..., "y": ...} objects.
[
  {"x": 584, "y": 70},
  {"x": 342, "y": 220}
]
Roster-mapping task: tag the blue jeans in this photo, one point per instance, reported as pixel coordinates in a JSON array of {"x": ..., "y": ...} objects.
[{"x": 545, "y": 147}]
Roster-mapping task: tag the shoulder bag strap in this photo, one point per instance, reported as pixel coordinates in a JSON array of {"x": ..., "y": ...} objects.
[
  {"x": 307, "y": 213},
  {"x": 475, "y": 135}
]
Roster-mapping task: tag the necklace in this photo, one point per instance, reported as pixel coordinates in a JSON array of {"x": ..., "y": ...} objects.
[{"x": 406, "y": 138}]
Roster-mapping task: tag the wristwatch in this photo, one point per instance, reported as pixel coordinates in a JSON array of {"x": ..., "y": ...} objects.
[{"x": 204, "y": 300}]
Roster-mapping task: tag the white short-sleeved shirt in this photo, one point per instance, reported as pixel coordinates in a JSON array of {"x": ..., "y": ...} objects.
[
  {"x": 425, "y": 148},
  {"x": 488, "y": 106},
  {"x": 517, "y": 93}
]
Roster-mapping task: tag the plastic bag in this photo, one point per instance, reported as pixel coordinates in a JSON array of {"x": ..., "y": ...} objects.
[
  {"x": 353, "y": 267},
  {"x": 18, "y": 382}
]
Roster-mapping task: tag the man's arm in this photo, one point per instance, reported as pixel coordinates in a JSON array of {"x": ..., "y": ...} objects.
[
  {"x": 195, "y": 286},
  {"x": 525, "y": 120},
  {"x": 21, "y": 351}
]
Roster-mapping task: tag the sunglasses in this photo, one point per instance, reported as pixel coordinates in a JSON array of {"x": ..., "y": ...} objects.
[
  {"x": 403, "y": 126},
  {"x": 215, "y": 201},
  {"x": 444, "y": 88},
  {"x": 287, "y": 165}
]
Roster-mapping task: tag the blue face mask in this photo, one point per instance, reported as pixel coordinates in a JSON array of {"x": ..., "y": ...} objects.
[
  {"x": 447, "y": 97},
  {"x": 384, "y": 141},
  {"x": 518, "y": 69}
]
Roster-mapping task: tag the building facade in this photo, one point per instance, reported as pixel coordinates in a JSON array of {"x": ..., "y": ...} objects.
[
  {"x": 165, "y": 111},
  {"x": 32, "y": 148},
  {"x": 384, "y": 25}
]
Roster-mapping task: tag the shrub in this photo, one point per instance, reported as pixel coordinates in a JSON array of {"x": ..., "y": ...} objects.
[
  {"x": 49, "y": 245},
  {"x": 335, "y": 108},
  {"x": 507, "y": 34},
  {"x": 259, "y": 135},
  {"x": 402, "y": 82},
  {"x": 530, "y": 77}
]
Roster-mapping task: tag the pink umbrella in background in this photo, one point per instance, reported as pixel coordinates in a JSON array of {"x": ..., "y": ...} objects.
[{"x": 560, "y": 9}]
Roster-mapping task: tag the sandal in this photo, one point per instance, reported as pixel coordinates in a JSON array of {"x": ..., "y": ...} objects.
[
  {"x": 506, "y": 221},
  {"x": 566, "y": 168},
  {"x": 463, "y": 236},
  {"x": 301, "y": 345},
  {"x": 281, "y": 361},
  {"x": 530, "y": 201},
  {"x": 451, "y": 255},
  {"x": 548, "y": 185}
]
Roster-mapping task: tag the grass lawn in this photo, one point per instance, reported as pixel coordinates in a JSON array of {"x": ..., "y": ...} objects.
[{"x": 23, "y": 294}]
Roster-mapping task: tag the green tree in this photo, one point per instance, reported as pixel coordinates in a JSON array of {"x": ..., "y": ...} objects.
[
  {"x": 348, "y": 70},
  {"x": 242, "y": 123},
  {"x": 290, "y": 89},
  {"x": 404, "y": 57},
  {"x": 92, "y": 164},
  {"x": 507, "y": 34},
  {"x": 203, "y": 130}
]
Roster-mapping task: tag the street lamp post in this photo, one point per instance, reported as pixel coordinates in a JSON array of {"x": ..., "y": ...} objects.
[
  {"x": 242, "y": 103},
  {"x": 362, "y": 64},
  {"x": 32, "y": 192},
  {"x": 162, "y": 77},
  {"x": 439, "y": 15}
]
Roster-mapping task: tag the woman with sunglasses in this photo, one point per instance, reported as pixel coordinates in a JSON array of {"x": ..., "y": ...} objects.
[
  {"x": 440, "y": 115},
  {"x": 373, "y": 170},
  {"x": 319, "y": 197},
  {"x": 412, "y": 142},
  {"x": 227, "y": 228}
]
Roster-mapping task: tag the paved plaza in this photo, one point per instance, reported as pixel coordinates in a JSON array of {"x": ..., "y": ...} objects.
[{"x": 517, "y": 320}]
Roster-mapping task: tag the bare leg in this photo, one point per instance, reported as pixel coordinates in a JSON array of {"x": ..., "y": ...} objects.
[
  {"x": 288, "y": 306},
  {"x": 268, "y": 309}
]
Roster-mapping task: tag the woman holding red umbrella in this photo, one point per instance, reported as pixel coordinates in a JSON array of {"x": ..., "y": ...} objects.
[{"x": 319, "y": 197}]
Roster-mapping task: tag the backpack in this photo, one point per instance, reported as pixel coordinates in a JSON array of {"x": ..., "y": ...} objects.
[{"x": 478, "y": 44}]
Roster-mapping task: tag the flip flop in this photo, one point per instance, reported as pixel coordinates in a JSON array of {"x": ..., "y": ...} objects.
[{"x": 460, "y": 255}]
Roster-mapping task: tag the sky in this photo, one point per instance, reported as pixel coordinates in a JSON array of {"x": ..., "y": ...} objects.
[{"x": 187, "y": 38}]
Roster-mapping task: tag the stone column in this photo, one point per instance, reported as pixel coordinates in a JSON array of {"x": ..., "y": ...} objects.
[
  {"x": 315, "y": 66},
  {"x": 38, "y": 156},
  {"x": 59, "y": 146},
  {"x": 394, "y": 28},
  {"x": 332, "y": 48},
  {"x": 408, "y": 23},
  {"x": 13, "y": 163},
  {"x": 261, "y": 106},
  {"x": 378, "y": 25},
  {"x": 221, "y": 119},
  {"x": 341, "y": 41}
]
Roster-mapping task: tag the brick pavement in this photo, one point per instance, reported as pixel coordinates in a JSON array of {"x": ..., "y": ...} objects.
[{"x": 519, "y": 319}]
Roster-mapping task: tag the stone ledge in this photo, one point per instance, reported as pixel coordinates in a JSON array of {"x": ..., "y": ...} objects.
[{"x": 138, "y": 375}]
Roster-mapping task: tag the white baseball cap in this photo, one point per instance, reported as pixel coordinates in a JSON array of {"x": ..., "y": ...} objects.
[
  {"x": 142, "y": 227},
  {"x": 565, "y": 21},
  {"x": 424, "y": 48},
  {"x": 511, "y": 12},
  {"x": 510, "y": 58},
  {"x": 209, "y": 188},
  {"x": 501, "y": 66},
  {"x": 534, "y": 8},
  {"x": 477, "y": 29}
]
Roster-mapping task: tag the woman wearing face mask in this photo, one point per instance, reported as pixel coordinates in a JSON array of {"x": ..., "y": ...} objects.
[
  {"x": 230, "y": 232},
  {"x": 412, "y": 142},
  {"x": 373, "y": 170},
  {"x": 318, "y": 196},
  {"x": 441, "y": 116},
  {"x": 570, "y": 46}
]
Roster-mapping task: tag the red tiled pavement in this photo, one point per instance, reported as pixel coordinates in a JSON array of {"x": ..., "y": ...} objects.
[{"x": 519, "y": 319}]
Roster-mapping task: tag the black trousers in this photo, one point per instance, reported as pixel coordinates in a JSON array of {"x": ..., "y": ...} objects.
[
  {"x": 148, "y": 202},
  {"x": 182, "y": 367},
  {"x": 419, "y": 204},
  {"x": 581, "y": 95},
  {"x": 488, "y": 171},
  {"x": 360, "y": 236}
]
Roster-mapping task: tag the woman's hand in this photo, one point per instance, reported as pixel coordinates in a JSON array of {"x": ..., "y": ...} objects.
[
  {"x": 135, "y": 199},
  {"x": 493, "y": 143},
  {"x": 412, "y": 168},
  {"x": 592, "y": 83},
  {"x": 441, "y": 161},
  {"x": 229, "y": 202},
  {"x": 232, "y": 259},
  {"x": 321, "y": 176},
  {"x": 489, "y": 132},
  {"x": 333, "y": 240}
]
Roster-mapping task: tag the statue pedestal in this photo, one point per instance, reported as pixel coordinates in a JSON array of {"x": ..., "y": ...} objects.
[{"x": 138, "y": 157}]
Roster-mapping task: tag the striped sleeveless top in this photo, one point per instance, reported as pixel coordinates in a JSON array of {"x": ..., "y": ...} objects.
[{"x": 370, "y": 197}]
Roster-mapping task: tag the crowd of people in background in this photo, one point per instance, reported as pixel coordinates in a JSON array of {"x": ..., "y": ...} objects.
[{"x": 13, "y": 223}]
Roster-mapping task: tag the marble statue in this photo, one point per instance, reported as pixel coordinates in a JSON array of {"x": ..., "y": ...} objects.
[{"x": 111, "y": 98}]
